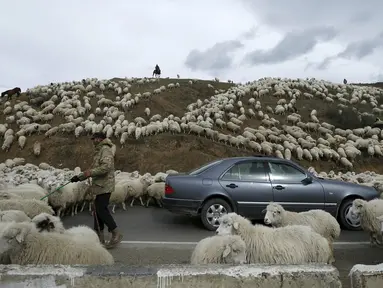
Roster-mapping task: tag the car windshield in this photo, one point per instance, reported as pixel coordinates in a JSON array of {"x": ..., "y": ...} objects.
[{"x": 204, "y": 167}]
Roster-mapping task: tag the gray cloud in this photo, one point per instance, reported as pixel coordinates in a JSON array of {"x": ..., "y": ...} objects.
[
  {"x": 356, "y": 50},
  {"x": 216, "y": 58},
  {"x": 293, "y": 45},
  {"x": 293, "y": 14},
  {"x": 360, "y": 49}
]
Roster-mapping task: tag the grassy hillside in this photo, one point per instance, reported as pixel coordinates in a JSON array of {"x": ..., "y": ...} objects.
[{"x": 181, "y": 152}]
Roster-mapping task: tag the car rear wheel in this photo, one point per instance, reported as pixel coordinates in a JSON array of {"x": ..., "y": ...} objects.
[
  {"x": 212, "y": 210},
  {"x": 346, "y": 220}
]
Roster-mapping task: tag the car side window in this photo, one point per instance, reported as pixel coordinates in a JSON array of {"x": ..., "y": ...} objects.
[
  {"x": 284, "y": 172},
  {"x": 247, "y": 171}
]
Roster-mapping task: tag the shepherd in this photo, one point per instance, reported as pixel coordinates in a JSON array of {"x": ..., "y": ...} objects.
[
  {"x": 156, "y": 71},
  {"x": 11, "y": 92},
  {"x": 103, "y": 182}
]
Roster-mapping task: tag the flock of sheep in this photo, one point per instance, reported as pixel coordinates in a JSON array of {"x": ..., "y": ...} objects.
[
  {"x": 27, "y": 204},
  {"x": 26, "y": 221},
  {"x": 220, "y": 118},
  {"x": 293, "y": 238}
]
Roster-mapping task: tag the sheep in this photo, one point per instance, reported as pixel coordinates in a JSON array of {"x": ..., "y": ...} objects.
[
  {"x": 295, "y": 244},
  {"x": 31, "y": 207},
  {"x": 368, "y": 213},
  {"x": 156, "y": 191},
  {"x": 13, "y": 215},
  {"x": 227, "y": 249},
  {"x": 320, "y": 221},
  {"x": 137, "y": 187},
  {"x": 29, "y": 191},
  {"x": 49, "y": 223},
  {"x": 119, "y": 194},
  {"x": 26, "y": 246},
  {"x": 37, "y": 148}
]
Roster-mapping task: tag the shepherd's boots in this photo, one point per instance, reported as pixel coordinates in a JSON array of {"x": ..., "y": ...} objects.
[{"x": 115, "y": 240}]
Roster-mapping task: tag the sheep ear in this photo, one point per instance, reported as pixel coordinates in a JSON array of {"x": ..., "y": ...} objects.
[
  {"x": 264, "y": 210},
  {"x": 236, "y": 225},
  {"x": 20, "y": 236},
  {"x": 227, "y": 251}
]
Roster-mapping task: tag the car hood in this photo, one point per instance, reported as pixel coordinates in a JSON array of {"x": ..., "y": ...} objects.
[{"x": 348, "y": 187}]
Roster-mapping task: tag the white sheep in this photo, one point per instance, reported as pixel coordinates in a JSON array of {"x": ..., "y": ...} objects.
[
  {"x": 26, "y": 245},
  {"x": 31, "y": 207},
  {"x": 21, "y": 141},
  {"x": 49, "y": 223},
  {"x": 369, "y": 211},
  {"x": 320, "y": 221},
  {"x": 137, "y": 188},
  {"x": 13, "y": 215},
  {"x": 155, "y": 191},
  {"x": 119, "y": 194},
  {"x": 295, "y": 244},
  {"x": 29, "y": 191},
  {"x": 37, "y": 148},
  {"x": 226, "y": 249}
]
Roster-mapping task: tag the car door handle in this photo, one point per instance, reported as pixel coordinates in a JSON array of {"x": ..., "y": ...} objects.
[
  {"x": 232, "y": 185},
  {"x": 279, "y": 187}
]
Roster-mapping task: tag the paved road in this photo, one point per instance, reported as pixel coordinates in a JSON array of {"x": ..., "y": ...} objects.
[
  {"x": 156, "y": 236},
  {"x": 156, "y": 224}
]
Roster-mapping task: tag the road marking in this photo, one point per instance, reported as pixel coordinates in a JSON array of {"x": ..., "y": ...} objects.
[{"x": 195, "y": 243}]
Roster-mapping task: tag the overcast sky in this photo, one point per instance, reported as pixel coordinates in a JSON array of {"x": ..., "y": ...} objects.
[{"x": 43, "y": 41}]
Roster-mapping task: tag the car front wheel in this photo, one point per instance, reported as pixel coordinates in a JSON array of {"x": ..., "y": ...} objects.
[
  {"x": 212, "y": 210},
  {"x": 347, "y": 220}
]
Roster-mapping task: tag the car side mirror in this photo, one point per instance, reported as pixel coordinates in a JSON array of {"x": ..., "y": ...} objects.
[{"x": 307, "y": 180}]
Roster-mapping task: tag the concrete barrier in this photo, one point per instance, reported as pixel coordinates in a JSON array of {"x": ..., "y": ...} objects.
[
  {"x": 367, "y": 276},
  {"x": 172, "y": 276}
]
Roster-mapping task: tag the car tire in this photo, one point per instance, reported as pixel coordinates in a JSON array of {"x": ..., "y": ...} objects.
[
  {"x": 215, "y": 203},
  {"x": 344, "y": 207}
]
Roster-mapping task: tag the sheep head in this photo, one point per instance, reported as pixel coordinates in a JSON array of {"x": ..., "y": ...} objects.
[
  {"x": 235, "y": 251},
  {"x": 274, "y": 213},
  {"x": 6, "y": 195},
  {"x": 356, "y": 208},
  {"x": 230, "y": 224},
  {"x": 17, "y": 232},
  {"x": 48, "y": 223}
]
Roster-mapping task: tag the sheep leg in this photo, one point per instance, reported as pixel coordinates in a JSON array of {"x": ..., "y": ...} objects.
[
  {"x": 114, "y": 207},
  {"x": 147, "y": 202},
  {"x": 73, "y": 208},
  {"x": 59, "y": 212},
  {"x": 83, "y": 206},
  {"x": 159, "y": 203},
  {"x": 142, "y": 203},
  {"x": 123, "y": 206},
  {"x": 131, "y": 203}
]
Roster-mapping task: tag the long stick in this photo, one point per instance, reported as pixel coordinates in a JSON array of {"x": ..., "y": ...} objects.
[{"x": 55, "y": 190}]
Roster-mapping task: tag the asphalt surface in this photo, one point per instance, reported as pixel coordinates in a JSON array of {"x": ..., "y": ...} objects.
[{"x": 155, "y": 236}]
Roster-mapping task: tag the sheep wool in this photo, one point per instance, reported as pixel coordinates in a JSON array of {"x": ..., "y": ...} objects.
[
  {"x": 31, "y": 207},
  {"x": 291, "y": 245},
  {"x": 320, "y": 221},
  {"x": 225, "y": 249},
  {"x": 28, "y": 246}
]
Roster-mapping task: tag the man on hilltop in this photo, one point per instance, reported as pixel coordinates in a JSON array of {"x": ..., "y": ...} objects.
[{"x": 103, "y": 181}]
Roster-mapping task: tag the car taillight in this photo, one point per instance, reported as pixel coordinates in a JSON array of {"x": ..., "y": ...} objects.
[{"x": 168, "y": 189}]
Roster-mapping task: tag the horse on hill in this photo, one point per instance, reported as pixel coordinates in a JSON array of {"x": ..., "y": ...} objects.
[{"x": 11, "y": 92}]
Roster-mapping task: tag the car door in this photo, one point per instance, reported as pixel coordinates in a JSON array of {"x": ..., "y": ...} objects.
[
  {"x": 291, "y": 191},
  {"x": 249, "y": 186}
]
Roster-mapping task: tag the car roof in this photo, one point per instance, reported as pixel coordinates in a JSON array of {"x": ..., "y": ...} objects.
[{"x": 256, "y": 157}]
